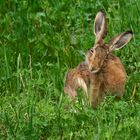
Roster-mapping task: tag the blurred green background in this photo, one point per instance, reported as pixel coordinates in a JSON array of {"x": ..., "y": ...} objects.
[{"x": 39, "y": 41}]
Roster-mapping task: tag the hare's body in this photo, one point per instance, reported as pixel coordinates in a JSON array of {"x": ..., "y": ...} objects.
[
  {"x": 103, "y": 71},
  {"x": 110, "y": 80}
]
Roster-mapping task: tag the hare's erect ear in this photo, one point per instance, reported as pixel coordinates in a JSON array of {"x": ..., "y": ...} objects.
[
  {"x": 100, "y": 26},
  {"x": 120, "y": 40}
]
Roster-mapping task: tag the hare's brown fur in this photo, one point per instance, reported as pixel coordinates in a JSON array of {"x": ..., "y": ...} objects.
[
  {"x": 110, "y": 79},
  {"x": 78, "y": 77},
  {"x": 102, "y": 72}
]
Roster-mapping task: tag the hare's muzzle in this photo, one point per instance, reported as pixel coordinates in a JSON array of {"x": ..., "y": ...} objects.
[{"x": 94, "y": 70}]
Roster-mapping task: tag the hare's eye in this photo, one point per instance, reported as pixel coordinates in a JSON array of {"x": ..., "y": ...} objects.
[{"x": 91, "y": 50}]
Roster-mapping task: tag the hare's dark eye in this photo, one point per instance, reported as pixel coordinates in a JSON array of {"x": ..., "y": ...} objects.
[{"x": 91, "y": 50}]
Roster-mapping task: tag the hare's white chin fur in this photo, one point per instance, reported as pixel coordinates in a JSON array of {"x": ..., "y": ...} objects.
[{"x": 95, "y": 71}]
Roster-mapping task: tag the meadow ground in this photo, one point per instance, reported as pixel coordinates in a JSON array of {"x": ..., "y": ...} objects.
[{"x": 39, "y": 42}]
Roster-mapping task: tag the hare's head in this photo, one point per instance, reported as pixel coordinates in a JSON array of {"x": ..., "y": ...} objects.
[{"x": 98, "y": 53}]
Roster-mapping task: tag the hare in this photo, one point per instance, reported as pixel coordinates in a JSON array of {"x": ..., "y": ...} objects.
[{"x": 106, "y": 73}]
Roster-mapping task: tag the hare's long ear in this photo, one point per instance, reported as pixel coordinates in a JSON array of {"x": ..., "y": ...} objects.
[
  {"x": 120, "y": 40},
  {"x": 100, "y": 26}
]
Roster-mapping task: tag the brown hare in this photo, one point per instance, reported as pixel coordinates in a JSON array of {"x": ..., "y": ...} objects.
[{"x": 105, "y": 72}]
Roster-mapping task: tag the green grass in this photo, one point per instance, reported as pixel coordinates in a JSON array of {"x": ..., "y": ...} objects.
[{"x": 39, "y": 42}]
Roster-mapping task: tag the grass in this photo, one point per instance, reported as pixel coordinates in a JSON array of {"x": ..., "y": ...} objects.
[{"x": 39, "y": 42}]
